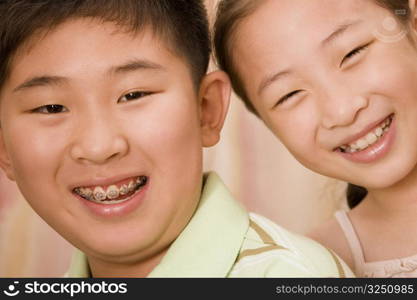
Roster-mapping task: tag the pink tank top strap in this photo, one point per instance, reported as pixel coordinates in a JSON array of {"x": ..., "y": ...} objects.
[{"x": 353, "y": 241}]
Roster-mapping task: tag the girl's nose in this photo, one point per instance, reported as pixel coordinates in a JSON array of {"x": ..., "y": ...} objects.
[{"x": 341, "y": 109}]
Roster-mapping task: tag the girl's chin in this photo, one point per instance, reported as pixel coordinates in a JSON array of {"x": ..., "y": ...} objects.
[{"x": 382, "y": 181}]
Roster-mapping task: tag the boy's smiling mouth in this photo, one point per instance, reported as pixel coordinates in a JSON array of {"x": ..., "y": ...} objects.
[{"x": 114, "y": 193}]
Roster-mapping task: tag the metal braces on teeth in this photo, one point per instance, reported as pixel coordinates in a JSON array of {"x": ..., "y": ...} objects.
[{"x": 99, "y": 194}]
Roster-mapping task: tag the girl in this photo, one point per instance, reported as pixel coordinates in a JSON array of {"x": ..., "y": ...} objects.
[{"x": 336, "y": 81}]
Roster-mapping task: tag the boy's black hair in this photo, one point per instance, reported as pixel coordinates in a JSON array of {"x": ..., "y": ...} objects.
[{"x": 182, "y": 24}]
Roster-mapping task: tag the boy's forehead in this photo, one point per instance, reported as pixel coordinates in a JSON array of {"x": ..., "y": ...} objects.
[
  {"x": 91, "y": 41},
  {"x": 95, "y": 29}
]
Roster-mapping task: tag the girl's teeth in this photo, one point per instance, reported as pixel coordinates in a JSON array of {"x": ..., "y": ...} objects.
[
  {"x": 361, "y": 144},
  {"x": 368, "y": 140},
  {"x": 371, "y": 138},
  {"x": 354, "y": 148},
  {"x": 379, "y": 131}
]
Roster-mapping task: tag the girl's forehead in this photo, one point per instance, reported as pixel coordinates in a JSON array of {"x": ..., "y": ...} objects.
[
  {"x": 287, "y": 15},
  {"x": 288, "y": 24}
]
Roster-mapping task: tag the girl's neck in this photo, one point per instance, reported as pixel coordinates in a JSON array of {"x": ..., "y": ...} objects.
[{"x": 399, "y": 199}]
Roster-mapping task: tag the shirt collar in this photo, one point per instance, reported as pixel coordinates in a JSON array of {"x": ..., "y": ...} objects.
[
  {"x": 210, "y": 243},
  {"x": 207, "y": 247}
]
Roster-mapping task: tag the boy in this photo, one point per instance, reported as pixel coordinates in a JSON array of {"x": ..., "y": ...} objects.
[{"x": 113, "y": 105}]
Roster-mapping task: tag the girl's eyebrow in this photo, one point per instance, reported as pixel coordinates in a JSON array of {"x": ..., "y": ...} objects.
[
  {"x": 339, "y": 31},
  {"x": 268, "y": 80}
]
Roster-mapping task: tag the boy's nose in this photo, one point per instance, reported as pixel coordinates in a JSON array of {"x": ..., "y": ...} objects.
[
  {"x": 98, "y": 140},
  {"x": 340, "y": 108}
]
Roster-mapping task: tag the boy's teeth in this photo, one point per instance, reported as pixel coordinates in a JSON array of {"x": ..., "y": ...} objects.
[
  {"x": 124, "y": 190},
  {"x": 88, "y": 193},
  {"x": 99, "y": 193},
  {"x": 140, "y": 180},
  {"x": 131, "y": 185},
  {"x": 370, "y": 139},
  {"x": 112, "y": 192}
]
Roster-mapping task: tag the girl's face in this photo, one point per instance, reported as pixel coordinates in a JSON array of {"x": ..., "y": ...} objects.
[{"x": 336, "y": 81}]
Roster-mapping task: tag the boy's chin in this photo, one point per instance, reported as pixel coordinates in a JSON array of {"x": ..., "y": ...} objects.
[{"x": 119, "y": 249}]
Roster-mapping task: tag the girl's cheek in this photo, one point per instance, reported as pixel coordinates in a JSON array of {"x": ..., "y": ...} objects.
[{"x": 297, "y": 129}]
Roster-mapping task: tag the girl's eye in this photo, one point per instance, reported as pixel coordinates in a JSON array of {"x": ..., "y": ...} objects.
[
  {"x": 50, "y": 109},
  {"x": 133, "y": 96},
  {"x": 287, "y": 97},
  {"x": 354, "y": 53}
]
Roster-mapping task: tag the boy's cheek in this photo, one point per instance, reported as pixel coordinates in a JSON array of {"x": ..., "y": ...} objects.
[
  {"x": 26, "y": 157},
  {"x": 5, "y": 162}
]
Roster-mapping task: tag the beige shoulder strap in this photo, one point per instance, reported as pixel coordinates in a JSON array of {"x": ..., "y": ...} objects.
[{"x": 352, "y": 239}]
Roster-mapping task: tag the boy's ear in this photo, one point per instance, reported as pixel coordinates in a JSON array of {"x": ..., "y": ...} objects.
[
  {"x": 412, "y": 5},
  {"x": 4, "y": 158},
  {"x": 214, "y": 100}
]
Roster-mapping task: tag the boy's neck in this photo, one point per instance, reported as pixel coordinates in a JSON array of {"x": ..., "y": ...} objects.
[{"x": 138, "y": 269}]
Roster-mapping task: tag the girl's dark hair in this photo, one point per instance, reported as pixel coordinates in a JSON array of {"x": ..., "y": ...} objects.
[
  {"x": 355, "y": 194},
  {"x": 231, "y": 12},
  {"x": 182, "y": 24}
]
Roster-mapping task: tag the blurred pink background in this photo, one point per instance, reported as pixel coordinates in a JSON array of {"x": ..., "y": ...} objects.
[{"x": 256, "y": 167}]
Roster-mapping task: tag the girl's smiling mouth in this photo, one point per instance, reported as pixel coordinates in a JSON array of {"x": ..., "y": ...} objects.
[
  {"x": 371, "y": 138},
  {"x": 372, "y": 145}
]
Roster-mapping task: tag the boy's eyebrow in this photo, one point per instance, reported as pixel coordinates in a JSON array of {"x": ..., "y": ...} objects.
[
  {"x": 339, "y": 31},
  {"x": 131, "y": 66},
  {"x": 135, "y": 65},
  {"x": 40, "y": 81}
]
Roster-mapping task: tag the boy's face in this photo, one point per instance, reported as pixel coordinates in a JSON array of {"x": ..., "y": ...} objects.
[
  {"x": 88, "y": 108},
  {"x": 325, "y": 81}
]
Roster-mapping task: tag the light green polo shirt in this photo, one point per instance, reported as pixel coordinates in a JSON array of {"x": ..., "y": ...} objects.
[{"x": 223, "y": 240}]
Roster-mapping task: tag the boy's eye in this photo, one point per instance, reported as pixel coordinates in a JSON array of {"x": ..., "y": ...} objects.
[
  {"x": 133, "y": 96},
  {"x": 353, "y": 53},
  {"x": 50, "y": 109},
  {"x": 287, "y": 97}
]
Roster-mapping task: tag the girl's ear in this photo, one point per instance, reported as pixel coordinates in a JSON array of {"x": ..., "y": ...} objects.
[
  {"x": 214, "y": 99},
  {"x": 5, "y": 163}
]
